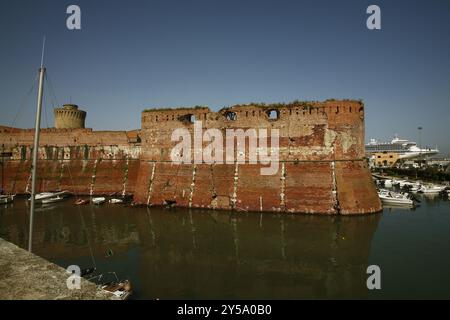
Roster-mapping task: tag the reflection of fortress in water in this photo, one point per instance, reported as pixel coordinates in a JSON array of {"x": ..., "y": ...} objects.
[{"x": 214, "y": 255}]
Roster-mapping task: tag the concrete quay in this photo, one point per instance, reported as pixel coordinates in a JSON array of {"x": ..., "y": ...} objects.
[{"x": 25, "y": 276}]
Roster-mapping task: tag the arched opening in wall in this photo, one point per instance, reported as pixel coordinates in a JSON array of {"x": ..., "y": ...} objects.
[
  {"x": 230, "y": 116},
  {"x": 273, "y": 114},
  {"x": 187, "y": 118}
]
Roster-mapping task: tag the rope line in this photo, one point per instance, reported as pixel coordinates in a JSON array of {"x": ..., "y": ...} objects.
[{"x": 24, "y": 101}]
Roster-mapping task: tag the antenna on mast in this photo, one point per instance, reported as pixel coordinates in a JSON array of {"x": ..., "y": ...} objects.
[{"x": 43, "y": 50}]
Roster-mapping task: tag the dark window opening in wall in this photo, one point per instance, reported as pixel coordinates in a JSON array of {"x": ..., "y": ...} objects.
[
  {"x": 187, "y": 118},
  {"x": 273, "y": 114},
  {"x": 350, "y": 109},
  {"x": 231, "y": 116},
  {"x": 337, "y": 110},
  {"x": 253, "y": 112},
  {"x": 173, "y": 117},
  {"x": 156, "y": 118}
]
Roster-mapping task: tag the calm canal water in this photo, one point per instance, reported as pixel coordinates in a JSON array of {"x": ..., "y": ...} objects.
[{"x": 191, "y": 254}]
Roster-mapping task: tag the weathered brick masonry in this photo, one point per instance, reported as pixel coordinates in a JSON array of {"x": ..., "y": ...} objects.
[{"x": 322, "y": 167}]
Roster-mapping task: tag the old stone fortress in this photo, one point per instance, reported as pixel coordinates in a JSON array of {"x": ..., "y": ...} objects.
[{"x": 322, "y": 165}]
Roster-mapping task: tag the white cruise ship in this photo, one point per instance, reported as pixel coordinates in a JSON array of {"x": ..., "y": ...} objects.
[{"x": 404, "y": 148}]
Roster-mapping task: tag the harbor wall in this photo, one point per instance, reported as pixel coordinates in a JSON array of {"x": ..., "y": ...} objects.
[
  {"x": 82, "y": 161},
  {"x": 321, "y": 160},
  {"x": 322, "y": 167}
]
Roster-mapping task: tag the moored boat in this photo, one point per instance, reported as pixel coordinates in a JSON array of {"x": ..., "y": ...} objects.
[
  {"x": 47, "y": 195},
  {"x": 394, "y": 198},
  {"x": 98, "y": 200},
  {"x": 121, "y": 290},
  {"x": 431, "y": 189},
  {"x": 6, "y": 198},
  {"x": 115, "y": 201},
  {"x": 81, "y": 201},
  {"x": 52, "y": 200}
]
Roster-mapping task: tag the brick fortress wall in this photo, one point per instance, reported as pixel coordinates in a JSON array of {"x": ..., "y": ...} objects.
[
  {"x": 80, "y": 160},
  {"x": 322, "y": 166}
]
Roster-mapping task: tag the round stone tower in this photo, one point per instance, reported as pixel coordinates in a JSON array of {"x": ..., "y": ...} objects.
[{"x": 69, "y": 117}]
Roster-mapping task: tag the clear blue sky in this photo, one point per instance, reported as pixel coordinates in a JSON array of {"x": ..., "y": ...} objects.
[{"x": 132, "y": 55}]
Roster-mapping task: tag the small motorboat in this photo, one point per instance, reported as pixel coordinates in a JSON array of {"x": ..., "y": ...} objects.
[
  {"x": 393, "y": 198},
  {"x": 47, "y": 195},
  {"x": 121, "y": 290},
  {"x": 6, "y": 198},
  {"x": 431, "y": 189},
  {"x": 115, "y": 201},
  {"x": 43, "y": 195},
  {"x": 79, "y": 202},
  {"x": 98, "y": 200},
  {"x": 52, "y": 200}
]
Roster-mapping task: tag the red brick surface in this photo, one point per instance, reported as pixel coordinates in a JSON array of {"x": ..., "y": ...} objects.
[{"x": 313, "y": 136}]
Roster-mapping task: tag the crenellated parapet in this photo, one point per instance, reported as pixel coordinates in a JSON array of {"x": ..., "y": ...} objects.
[{"x": 328, "y": 130}]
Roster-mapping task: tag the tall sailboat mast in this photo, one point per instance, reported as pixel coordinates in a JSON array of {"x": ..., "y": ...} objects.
[{"x": 37, "y": 129}]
